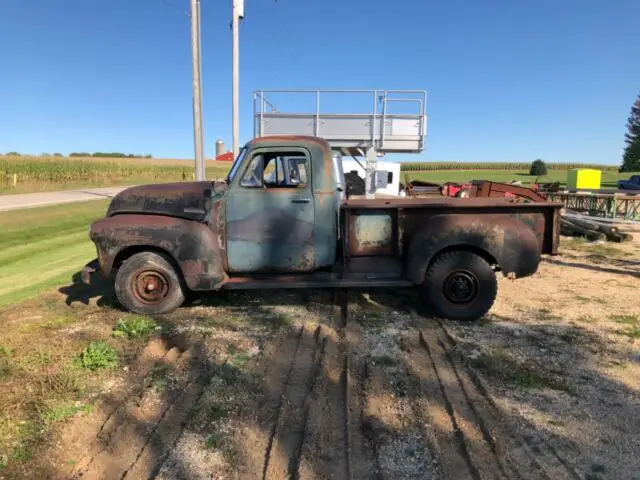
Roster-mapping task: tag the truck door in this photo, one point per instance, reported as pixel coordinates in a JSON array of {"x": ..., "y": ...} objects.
[{"x": 270, "y": 217}]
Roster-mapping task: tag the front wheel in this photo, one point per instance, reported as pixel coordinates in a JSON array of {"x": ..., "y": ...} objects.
[
  {"x": 459, "y": 285},
  {"x": 147, "y": 283}
]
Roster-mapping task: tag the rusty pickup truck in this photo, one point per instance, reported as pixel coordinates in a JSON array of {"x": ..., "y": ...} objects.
[{"x": 282, "y": 219}]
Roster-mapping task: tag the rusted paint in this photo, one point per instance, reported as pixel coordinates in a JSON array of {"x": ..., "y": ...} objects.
[
  {"x": 192, "y": 245},
  {"x": 269, "y": 225},
  {"x": 371, "y": 232},
  {"x": 511, "y": 243},
  {"x": 191, "y": 200}
]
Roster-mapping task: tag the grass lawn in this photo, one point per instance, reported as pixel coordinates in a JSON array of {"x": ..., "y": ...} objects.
[
  {"x": 608, "y": 179},
  {"x": 43, "y": 247}
]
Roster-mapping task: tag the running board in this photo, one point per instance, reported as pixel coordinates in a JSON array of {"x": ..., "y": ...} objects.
[{"x": 313, "y": 280}]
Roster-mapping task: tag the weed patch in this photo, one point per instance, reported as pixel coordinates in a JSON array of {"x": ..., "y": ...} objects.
[
  {"x": 374, "y": 320},
  {"x": 500, "y": 365},
  {"x": 96, "y": 356},
  {"x": 384, "y": 361},
  {"x": 5, "y": 361},
  {"x": 63, "y": 411},
  {"x": 586, "y": 319},
  {"x": 237, "y": 358},
  {"x": 632, "y": 332},
  {"x": 212, "y": 441},
  {"x": 135, "y": 326},
  {"x": 62, "y": 383},
  {"x": 626, "y": 319},
  {"x": 22, "y": 453},
  {"x": 601, "y": 301},
  {"x": 218, "y": 412},
  {"x": 596, "y": 250},
  {"x": 159, "y": 376}
]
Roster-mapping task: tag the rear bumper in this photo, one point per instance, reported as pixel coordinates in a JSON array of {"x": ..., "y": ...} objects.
[{"x": 88, "y": 270}]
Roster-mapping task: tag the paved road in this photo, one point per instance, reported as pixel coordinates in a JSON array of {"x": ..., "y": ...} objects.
[{"x": 28, "y": 200}]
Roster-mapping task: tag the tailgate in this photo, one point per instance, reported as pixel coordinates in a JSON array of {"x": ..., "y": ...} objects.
[{"x": 551, "y": 237}]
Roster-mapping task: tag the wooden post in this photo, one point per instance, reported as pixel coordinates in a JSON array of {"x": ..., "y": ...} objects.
[{"x": 15, "y": 179}]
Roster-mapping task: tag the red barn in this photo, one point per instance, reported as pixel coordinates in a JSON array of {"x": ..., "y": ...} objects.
[{"x": 225, "y": 157}]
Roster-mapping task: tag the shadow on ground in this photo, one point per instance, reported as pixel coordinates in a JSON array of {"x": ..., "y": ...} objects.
[{"x": 600, "y": 408}]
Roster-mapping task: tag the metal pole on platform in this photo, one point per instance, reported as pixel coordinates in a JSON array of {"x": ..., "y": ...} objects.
[
  {"x": 196, "y": 61},
  {"x": 237, "y": 7}
]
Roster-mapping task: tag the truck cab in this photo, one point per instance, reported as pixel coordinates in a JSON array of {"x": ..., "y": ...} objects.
[{"x": 282, "y": 219}]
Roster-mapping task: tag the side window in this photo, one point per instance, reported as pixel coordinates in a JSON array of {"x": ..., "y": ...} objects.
[
  {"x": 253, "y": 174},
  {"x": 277, "y": 170}
]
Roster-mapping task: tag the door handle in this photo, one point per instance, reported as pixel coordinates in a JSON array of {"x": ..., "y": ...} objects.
[{"x": 300, "y": 200}]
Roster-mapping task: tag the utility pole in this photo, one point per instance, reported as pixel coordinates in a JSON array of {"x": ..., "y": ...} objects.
[
  {"x": 237, "y": 12},
  {"x": 196, "y": 60}
]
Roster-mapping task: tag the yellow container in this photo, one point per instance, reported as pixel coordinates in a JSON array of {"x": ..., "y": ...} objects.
[{"x": 584, "y": 178}]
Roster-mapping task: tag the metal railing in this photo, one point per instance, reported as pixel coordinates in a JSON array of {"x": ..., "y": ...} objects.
[{"x": 378, "y": 114}]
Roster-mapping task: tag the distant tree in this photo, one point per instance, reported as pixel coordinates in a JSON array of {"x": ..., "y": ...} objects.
[
  {"x": 13, "y": 154},
  {"x": 538, "y": 167},
  {"x": 79, "y": 154},
  {"x": 57, "y": 155},
  {"x": 631, "y": 156},
  {"x": 633, "y": 124}
]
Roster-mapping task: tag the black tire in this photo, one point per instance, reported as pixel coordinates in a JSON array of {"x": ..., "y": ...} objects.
[
  {"x": 147, "y": 283},
  {"x": 459, "y": 285}
]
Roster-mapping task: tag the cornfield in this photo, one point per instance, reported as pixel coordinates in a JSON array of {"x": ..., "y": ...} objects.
[
  {"x": 18, "y": 171},
  {"x": 492, "y": 166}
]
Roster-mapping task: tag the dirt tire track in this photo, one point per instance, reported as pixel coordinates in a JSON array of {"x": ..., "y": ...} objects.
[
  {"x": 323, "y": 452},
  {"x": 283, "y": 457},
  {"x": 137, "y": 422},
  {"x": 171, "y": 424},
  {"x": 543, "y": 458},
  {"x": 473, "y": 440},
  {"x": 108, "y": 417},
  {"x": 483, "y": 431}
]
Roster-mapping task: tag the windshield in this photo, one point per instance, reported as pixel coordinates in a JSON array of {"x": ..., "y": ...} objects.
[{"x": 236, "y": 165}]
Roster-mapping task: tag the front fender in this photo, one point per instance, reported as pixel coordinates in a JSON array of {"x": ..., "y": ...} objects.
[
  {"x": 510, "y": 242},
  {"x": 192, "y": 245}
]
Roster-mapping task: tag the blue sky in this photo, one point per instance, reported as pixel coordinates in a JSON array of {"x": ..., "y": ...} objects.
[{"x": 508, "y": 80}]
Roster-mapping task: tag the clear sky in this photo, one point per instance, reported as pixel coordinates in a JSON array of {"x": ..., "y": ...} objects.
[{"x": 508, "y": 80}]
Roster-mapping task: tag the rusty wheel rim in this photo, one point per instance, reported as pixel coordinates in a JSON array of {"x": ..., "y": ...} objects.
[
  {"x": 150, "y": 286},
  {"x": 460, "y": 287}
]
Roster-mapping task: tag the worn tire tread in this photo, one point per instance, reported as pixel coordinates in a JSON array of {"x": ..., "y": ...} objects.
[
  {"x": 174, "y": 299},
  {"x": 434, "y": 299}
]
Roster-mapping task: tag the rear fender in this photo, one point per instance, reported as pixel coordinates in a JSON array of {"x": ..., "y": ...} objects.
[
  {"x": 193, "y": 246},
  {"x": 512, "y": 244}
]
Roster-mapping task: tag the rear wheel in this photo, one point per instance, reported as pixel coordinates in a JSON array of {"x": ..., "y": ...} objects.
[
  {"x": 459, "y": 285},
  {"x": 147, "y": 283}
]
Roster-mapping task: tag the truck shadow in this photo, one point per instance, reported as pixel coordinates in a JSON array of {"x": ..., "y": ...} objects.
[
  {"x": 596, "y": 268},
  {"x": 100, "y": 290}
]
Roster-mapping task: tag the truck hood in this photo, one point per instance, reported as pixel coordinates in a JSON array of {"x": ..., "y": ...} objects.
[{"x": 190, "y": 200}]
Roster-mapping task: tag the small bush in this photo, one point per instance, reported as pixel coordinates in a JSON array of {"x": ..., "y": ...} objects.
[
  {"x": 97, "y": 355},
  {"x": 134, "y": 326},
  {"x": 538, "y": 167},
  {"x": 213, "y": 441}
]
